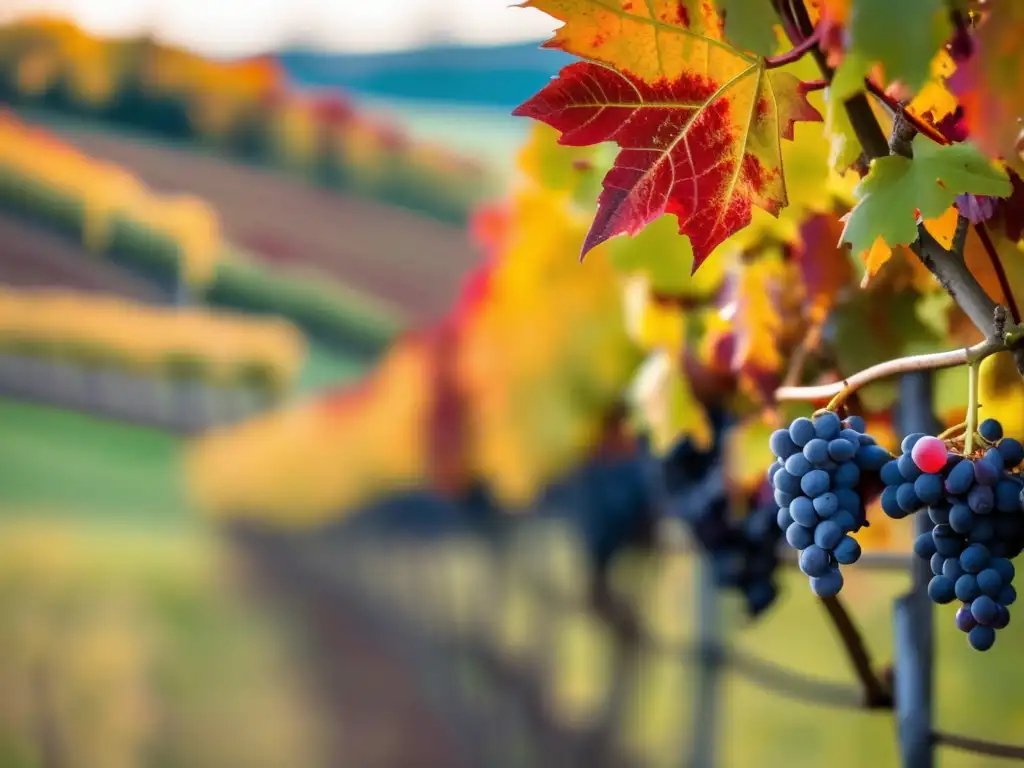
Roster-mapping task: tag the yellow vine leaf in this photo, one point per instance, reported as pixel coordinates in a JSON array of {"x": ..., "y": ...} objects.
[
  {"x": 1001, "y": 394},
  {"x": 756, "y": 313},
  {"x": 747, "y": 452},
  {"x": 663, "y": 399},
  {"x": 934, "y": 100}
]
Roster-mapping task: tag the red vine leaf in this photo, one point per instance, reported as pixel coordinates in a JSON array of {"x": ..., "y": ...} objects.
[{"x": 700, "y": 147}]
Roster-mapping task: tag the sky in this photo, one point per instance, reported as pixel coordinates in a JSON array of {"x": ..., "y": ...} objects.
[{"x": 243, "y": 27}]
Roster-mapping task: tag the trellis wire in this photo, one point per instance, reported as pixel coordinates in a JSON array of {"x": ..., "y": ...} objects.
[{"x": 911, "y": 698}]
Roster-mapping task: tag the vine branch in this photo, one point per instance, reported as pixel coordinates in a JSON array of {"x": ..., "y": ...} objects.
[
  {"x": 876, "y": 694},
  {"x": 797, "y": 52},
  {"x": 948, "y": 267},
  {"x": 890, "y": 368},
  {"x": 979, "y": 746}
]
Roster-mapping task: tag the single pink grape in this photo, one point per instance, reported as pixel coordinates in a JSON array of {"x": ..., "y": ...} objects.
[{"x": 929, "y": 454}]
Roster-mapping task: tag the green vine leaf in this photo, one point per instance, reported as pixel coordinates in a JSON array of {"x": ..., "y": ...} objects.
[{"x": 899, "y": 189}]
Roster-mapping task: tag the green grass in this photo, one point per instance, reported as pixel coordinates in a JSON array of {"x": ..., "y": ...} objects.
[
  {"x": 56, "y": 462},
  {"x": 65, "y": 463},
  {"x": 977, "y": 694}
]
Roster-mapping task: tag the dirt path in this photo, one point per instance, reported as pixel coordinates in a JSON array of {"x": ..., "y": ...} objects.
[{"x": 401, "y": 257}]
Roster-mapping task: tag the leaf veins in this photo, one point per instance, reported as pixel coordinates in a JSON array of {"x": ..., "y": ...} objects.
[{"x": 697, "y": 122}]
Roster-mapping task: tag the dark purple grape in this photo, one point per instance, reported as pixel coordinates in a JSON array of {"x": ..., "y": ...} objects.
[
  {"x": 1007, "y": 496},
  {"x": 787, "y": 482},
  {"x": 941, "y": 590},
  {"x": 827, "y": 426},
  {"x": 856, "y": 423},
  {"x": 983, "y": 531},
  {"x": 951, "y": 568},
  {"x": 960, "y": 478},
  {"x": 966, "y": 588},
  {"x": 852, "y": 435},
  {"x": 1012, "y": 451},
  {"x": 909, "y": 471},
  {"x": 975, "y": 558},
  {"x": 782, "y": 499},
  {"x": 1007, "y": 595},
  {"x": 981, "y": 638},
  {"x": 802, "y": 512},
  {"x": 847, "y": 475},
  {"x": 965, "y": 620},
  {"x": 890, "y": 473},
  {"x": 828, "y": 585},
  {"x": 848, "y": 551},
  {"x": 801, "y": 431},
  {"x": 799, "y": 537},
  {"x": 1002, "y": 619},
  {"x": 828, "y": 534},
  {"x": 815, "y": 561},
  {"x": 797, "y": 465},
  {"x": 848, "y": 500},
  {"x": 985, "y": 473},
  {"x": 783, "y": 518},
  {"x": 991, "y": 430},
  {"x": 981, "y": 499},
  {"x": 872, "y": 458},
  {"x": 907, "y": 498},
  {"x": 929, "y": 489},
  {"x": 841, "y": 449},
  {"x": 924, "y": 546},
  {"x": 816, "y": 451},
  {"x": 994, "y": 458},
  {"x": 826, "y": 505},
  {"x": 815, "y": 483},
  {"x": 938, "y": 514},
  {"x": 961, "y": 518},
  {"x": 947, "y": 544},
  {"x": 984, "y": 610},
  {"x": 782, "y": 444},
  {"x": 990, "y": 582},
  {"x": 890, "y": 504},
  {"x": 1004, "y": 568},
  {"x": 845, "y": 520}
]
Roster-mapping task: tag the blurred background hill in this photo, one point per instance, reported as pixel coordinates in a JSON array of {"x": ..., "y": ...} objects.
[{"x": 500, "y": 76}]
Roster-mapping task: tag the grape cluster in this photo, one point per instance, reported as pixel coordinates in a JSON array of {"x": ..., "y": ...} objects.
[
  {"x": 975, "y": 506},
  {"x": 743, "y": 551},
  {"x": 816, "y": 479}
]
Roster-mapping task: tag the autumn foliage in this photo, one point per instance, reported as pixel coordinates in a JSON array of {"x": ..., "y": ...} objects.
[
  {"x": 245, "y": 107},
  {"x": 117, "y": 334},
  {"x": 739, "y": 230},
  {"x": 33, "y": 157}
]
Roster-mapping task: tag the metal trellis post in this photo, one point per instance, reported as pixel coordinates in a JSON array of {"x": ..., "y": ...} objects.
[{"x": 914, "y": 638}]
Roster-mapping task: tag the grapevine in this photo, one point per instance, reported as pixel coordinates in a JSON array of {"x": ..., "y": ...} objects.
[{"x": 697, "y": 138}]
